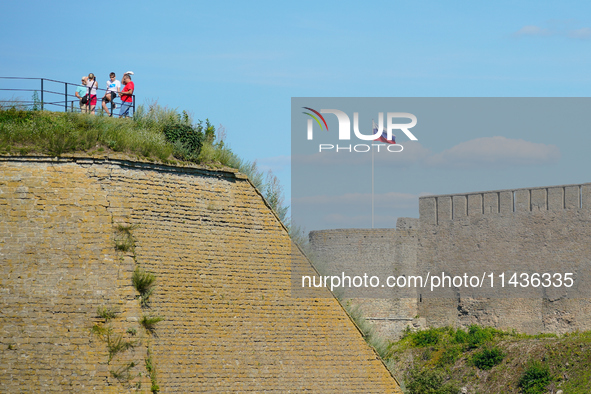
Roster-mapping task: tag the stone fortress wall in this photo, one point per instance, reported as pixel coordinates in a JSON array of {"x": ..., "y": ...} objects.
[
  {"x": 546, "y": 229},
  {"x": 222, "y": 261}
]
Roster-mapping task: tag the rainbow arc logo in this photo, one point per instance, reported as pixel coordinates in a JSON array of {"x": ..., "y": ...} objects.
[{"x": 315, "y": 118}]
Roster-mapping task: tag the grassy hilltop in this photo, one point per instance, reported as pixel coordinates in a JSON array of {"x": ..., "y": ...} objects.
[
  {"x": 155, "y": 133},
  {"x": 485, "y": 360}
]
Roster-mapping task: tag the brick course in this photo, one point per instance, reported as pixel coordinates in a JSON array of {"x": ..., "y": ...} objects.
[{"x": 222, "y": 260}]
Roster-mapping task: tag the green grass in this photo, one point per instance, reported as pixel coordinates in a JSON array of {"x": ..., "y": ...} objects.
[
  {"x": 149, "y": 322},
  {"x": 535, "y": 379},
  {"x": 115, "y": 342},
  {"x": 106, "y": 313},
  {"x": 155, "y": 134},
  {"x": 58, "y": 133},
  {"x": 144, "y": 283},
  {"x": 488, "y": 360}
]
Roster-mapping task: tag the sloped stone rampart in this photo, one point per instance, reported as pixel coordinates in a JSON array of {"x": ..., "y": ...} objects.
[{"x": 222, "y": 260}]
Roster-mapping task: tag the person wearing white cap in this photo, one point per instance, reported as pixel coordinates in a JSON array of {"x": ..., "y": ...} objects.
[{"x": 126, "y": 95}]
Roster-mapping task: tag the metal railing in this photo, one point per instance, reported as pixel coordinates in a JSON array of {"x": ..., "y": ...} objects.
[{"x": 46, "y": 95}]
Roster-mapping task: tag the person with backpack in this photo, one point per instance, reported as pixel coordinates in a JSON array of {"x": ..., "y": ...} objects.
[
  {"x": 92, "y": 85},
  {"x": 81, "y": 95}
]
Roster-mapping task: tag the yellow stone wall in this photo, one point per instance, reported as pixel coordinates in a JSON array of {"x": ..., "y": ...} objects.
[{"x": 223, "y": 264}]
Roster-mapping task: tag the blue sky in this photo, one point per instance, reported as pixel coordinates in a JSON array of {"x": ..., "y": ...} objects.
[{"x": 240, "y": 63}]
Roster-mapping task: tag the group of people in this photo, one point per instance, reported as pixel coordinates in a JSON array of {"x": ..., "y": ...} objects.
[{"x": 87, "y": 94}]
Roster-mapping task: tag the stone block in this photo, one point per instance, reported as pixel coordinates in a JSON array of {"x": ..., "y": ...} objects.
[
  {"x": 475, "y": 204},
  {"x": 443, "y": 209},
  {"x": 428, "y": 210},
  {"x": 572, "y": 197},
  {"x": 586, "y": 196},
  {"x": 538, "y": 200},
  {"x": 491, "y": 203},
  {"x": 506, "y": 202},
  {"x": 460, "y": 206},
  {"x": 555, "y": 198},
  {"x": 522, "y": 200}
]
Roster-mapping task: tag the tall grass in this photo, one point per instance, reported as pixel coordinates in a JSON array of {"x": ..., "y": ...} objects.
[
  {"x": 155, "y": 133},
  {"x": 54, "y": 134}
]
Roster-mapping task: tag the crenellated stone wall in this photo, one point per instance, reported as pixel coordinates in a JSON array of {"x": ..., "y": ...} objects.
[
  {"x": 546, "y": 229},
  {"x": 441, "y": 208},
  {"x": 222, "y": 261}
]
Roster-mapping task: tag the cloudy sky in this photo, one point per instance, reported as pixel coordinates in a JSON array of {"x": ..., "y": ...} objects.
[
  {"x": 240, "y": 63},
  {"x": 464, "y": 145}
]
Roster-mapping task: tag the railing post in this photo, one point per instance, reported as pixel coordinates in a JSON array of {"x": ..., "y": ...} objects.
[
  {"x": 66, "y": 97},
  {"x": 41, "y": 94}
]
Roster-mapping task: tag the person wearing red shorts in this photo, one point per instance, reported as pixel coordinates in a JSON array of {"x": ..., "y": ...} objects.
[{"x": 91, "y": 85}]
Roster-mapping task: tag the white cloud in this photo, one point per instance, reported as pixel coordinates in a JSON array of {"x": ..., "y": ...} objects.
[
  {"x": 531, "y": 30},
  {"x": 584, "y": 33},
  {"x": 556, "y": 28},
  {"x": 495, "y": 151}
]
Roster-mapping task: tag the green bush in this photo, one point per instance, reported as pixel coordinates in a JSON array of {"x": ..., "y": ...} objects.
[
  {"x": 186, "y": 138},
  {"x": 428, "y": 382},
  {"x": 424, "y": 338},
  {"x": 535, "y": 378},
  {"x": 476, "y": 336},
  {"x": 450, "y": 355},
  {"x": 487, "y": 358}
]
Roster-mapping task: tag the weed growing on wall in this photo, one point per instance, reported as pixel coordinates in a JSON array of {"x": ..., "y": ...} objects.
[
  {"x": 115, "y": 342},
  {"x": 124, "y": 241},
  {"x": 369, "y": 334},
  {"x": 123, "y": 373},
  {"x": 149, "y": 362},
  {"x": 144, "y": 283},
  {"x": 106, "y": 313},
  {"x": 149, "y": 322}
]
